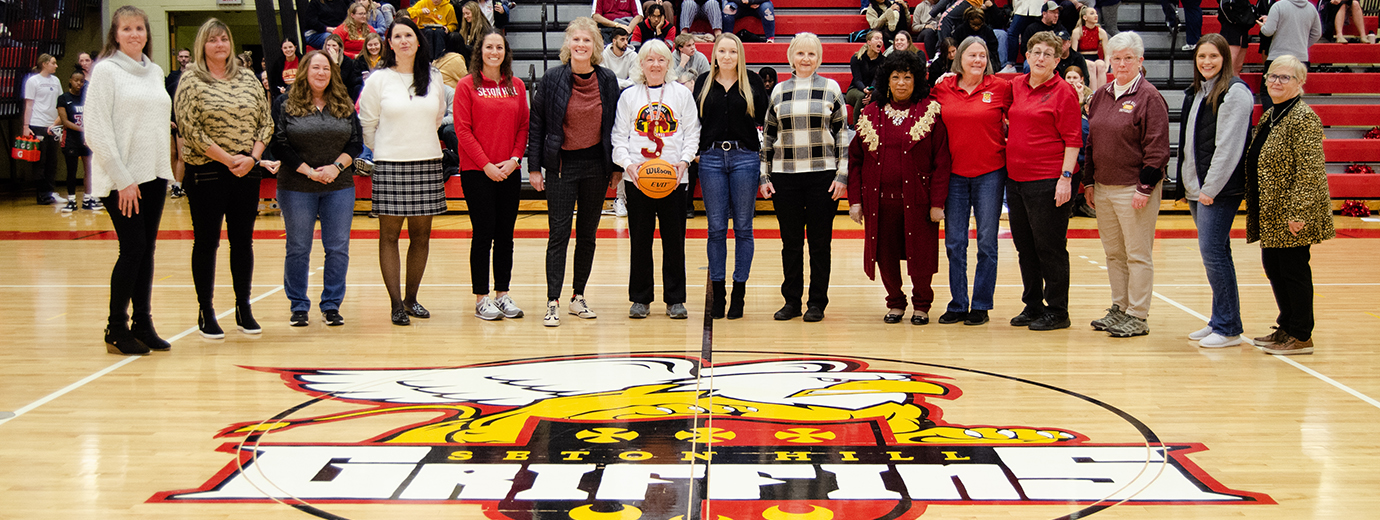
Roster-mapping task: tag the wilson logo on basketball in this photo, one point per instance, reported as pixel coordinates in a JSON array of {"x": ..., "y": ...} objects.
[{"x": 672, "y": 438}]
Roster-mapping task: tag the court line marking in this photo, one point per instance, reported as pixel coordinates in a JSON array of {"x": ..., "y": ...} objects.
[
  {"x": 116, "y": 366},
  {"x": 850, "y": 286},
  {"x": 1296, "y": 364}
]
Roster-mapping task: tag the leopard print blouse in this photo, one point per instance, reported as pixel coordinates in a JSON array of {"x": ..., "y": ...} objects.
[{"x": 1290, "y": 183}]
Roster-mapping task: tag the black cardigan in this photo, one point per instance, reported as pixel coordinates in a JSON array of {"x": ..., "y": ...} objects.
[{"x": 546, "y": 130}]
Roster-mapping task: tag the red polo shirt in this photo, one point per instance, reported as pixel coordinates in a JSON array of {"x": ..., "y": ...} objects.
[
  {"x": 1044, "y": 121},
  {"x": 980, "y": 118}
]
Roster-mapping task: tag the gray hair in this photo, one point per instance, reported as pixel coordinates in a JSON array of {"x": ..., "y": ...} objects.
[
  {"x": 652, "y": 46},
  {"x": 957, "y": 67},
  {"x": 1126, "y": 40}
]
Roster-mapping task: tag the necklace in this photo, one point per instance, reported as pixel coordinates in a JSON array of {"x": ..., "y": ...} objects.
[
  {"x": 1280, "y": 111},
  {"x": 897, "y": 116}
]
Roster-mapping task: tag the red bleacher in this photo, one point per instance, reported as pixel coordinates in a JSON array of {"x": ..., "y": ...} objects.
[
  {"x": 1328, "y": 53},
  {"x": 1211, "y": 25}
]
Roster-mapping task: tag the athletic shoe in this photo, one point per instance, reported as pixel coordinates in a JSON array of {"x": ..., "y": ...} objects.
[
  {"x": 677, "y": 311},
  {"x": 1114, "y": 316},
  {"x": 1008, "y": 69},
  {"x": 485, "y": 310},
  {"x": 92, "y": 204},
  {"x": 1187, "y": 47},
  {"x": 1199, "y": 334},
  {"x": 178, "y": 192},
  {"x": 580, "y": 309},
  {"x": 1025, "y": 318},
  {"x": 1128, "y": 327},
  {"x": 1278, "y": 336},
  {"x": 1215, "y": 340},
  {"x": 57, "y": 198},
  {"x": 620, "y": 208},
  {"x": 771, "y": 40},
  {"x": 553, "y": 314},
  {"x": 332, "y": 317},
  {"x": 364, "y": 167},
  {"x": 508, "y": 307},
  {"x": 638, "y": 311},
  {"x": 1290, "y": 347},
  {"x": 298, "y": 319},
  {"x": 1050, "y": 322},
  {"x": 70, "y": 207}
]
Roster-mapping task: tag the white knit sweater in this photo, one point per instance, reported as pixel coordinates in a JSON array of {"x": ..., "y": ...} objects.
[
  {"x": 127, "y": 121},
  {"x": 399, "y": 126}
]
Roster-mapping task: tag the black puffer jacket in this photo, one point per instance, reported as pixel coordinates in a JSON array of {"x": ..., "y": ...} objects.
[{"x": 546, "y": 131}]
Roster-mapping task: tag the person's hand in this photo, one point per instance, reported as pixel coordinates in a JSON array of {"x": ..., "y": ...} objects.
[
  {"x": 1139, "y": 201},
  {"x": 867, "y": 97},
  {"x": 936, "y": 214},
  {"x": 272, "y": 166},
  {"x": 498, "y": 8},
  {"x": 306, "y": 170},
  {"x": 424, "y": 11},
  {"x": 1295, "y": 226},
  {"x": 27, "y": 132},
  {"x": 325, "y": 174},
  {"x": 1062, "y": 191},
  {"x": 508, "y": 167},
  {"x": 767, "y": 190},
  {"x": 614, "y": 179},
  {"x": 534, "y": 177},
  {"x": 855, "y": 213},
  {"x": 1261, "y": 20},
  {"x": 1088, "y": 196},
  {"x": 493, "y": 173},
  {"x": 837, "y": 190},
  {"x": 129, "y": 200},
  {"x": 1204, "y": 199},
  {"x": 631, "y": 170},
  {"x": 681, "y": 167},
  {"x": 240, "y": 165}
]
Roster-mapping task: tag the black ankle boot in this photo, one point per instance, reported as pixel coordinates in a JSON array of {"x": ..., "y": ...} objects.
[
  {"x": 735, "y": 305},
  {"x": 244, "y": 319},
  {"x": 119, "y": 340},
  {"x": 143, "y": 331},
  {"x": 716, "y": 309},
  {"x": 206, "y": 324}
]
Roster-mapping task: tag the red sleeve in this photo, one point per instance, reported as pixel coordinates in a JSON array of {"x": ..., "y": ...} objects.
[
  {"x": 636, "y": 36},
  {"x": 671, "y": 36},
  {"x": 524, "y": 116},
  {"x": 942, "y": 164},
  {"x": 464, "y": 121},
  {"x": 1068, "y": 119}
]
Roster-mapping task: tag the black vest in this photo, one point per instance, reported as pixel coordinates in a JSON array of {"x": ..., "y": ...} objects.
[{"x": 1205, "y": 141}]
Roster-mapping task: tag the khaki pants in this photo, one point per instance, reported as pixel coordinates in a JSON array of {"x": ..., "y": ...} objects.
[{"x": 1128, "y": 237}]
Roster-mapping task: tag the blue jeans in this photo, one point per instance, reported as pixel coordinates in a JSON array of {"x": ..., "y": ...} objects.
[
  {"x": 1214, "y": 243},
  {"x": 728, "y": 181},
  {"x": 315, "y": 41},
  {"x": 1013, "y": 37},
  {"x": 739, "y": 8},
  {"x": 981, "y": 197},
  {"x": 301, "y": 210}
]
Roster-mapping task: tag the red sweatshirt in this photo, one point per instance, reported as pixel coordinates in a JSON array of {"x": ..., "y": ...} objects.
[
  {"x": 1044, "y": 121},
  {"x": 490, "y": 123},
  {"x": 352, "y": 47}
]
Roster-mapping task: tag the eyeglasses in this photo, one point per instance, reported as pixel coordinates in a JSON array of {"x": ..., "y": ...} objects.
[
  {"x": 1046, "y": 55},
  {"x": 1278, "y": 78}
]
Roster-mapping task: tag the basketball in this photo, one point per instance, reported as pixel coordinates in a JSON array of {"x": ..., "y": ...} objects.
[{"x": 656, "y": 178}]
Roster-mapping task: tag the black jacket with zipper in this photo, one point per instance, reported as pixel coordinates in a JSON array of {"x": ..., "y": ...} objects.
[{"x": 546, "y": 131}]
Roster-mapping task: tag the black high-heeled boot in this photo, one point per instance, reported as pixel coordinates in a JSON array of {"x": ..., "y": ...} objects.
[
  {"x": 244, "y": 319},
  {"x": 144, "y": 332},
  {"x": 716, "y": 308},
  {"x": 207, "y": 325},
  {"x": 735, "y": 303},
  {"x": 118, "y": 340}
]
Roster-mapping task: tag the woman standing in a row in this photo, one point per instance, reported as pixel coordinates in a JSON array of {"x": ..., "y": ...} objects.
[
  {"x": 491, "y": 123},
  {"x": 400, "y": 109},
  {"x": 223, "y": 116},
  {"x": 732, "y": 104},
  {"x": 126, "y": 123},
  {"x": 577, "y": 156}
]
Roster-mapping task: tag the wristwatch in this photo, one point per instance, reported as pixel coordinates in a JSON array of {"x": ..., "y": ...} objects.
[
  {"x": 339, "y": 166},
  {"x": 1067, "y": 174}
]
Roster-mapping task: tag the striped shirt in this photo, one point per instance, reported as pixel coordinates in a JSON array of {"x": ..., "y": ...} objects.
[
  {"x": 233, "y": 114},
  {"x": 805, "y": 130}
]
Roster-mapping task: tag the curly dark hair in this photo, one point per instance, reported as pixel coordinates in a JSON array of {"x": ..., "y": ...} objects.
[{"x": 900, "y": 62}]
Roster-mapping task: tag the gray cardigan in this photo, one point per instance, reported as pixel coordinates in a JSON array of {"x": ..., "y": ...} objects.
[
  {"x": 1295, "y": 26},
  {"x": 1233, "y": 125}
]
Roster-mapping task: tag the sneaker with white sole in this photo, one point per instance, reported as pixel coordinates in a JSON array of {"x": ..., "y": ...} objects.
[
  {"x": 638, "y": 311},
  {"x": 1128, "y": 326},
  {"x": 620, "y": 208},
  {"x": 1009, "y": 69},
  {"x": 1187, "y": 47},
  {"x": 1215, "y": 340},
  {"x": 59, "y": 199},
  {"x": 1113, "y": 317},
  {"x": 70, "y": 207},
  {"x": 485, "y": 310},
  {"x": 508, "y": 307},
  {"x": 92, "y": 204},
  {"x": 1200, "y": 333},
  {"x": 580, "y": 309},
  {"x": 553, "y": 314},
  {"x": 677, "y": 311}
]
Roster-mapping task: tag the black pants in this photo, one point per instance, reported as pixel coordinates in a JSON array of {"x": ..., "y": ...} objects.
[
  {"x": 586, "y": 182},
  {"x": 493, "y": 212},
  {"x": 74, "y": 181},
  {"x": 1291, "y": 278},
  {"x": 803, "y": 203},
  {"x": 132, "y": 279},
  {"x": 643, "y": 214},
  {"x": 1039, "y": 230},
  {"x": 45, "y": 170},
  {"x": 214, "y": 196}
]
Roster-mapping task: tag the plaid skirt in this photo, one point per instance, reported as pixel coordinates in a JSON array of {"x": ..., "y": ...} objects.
[{"x": 409, "y": 189}]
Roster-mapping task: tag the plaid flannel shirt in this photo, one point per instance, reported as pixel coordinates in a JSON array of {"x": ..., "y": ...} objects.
[{"x": 806, "y": 129}]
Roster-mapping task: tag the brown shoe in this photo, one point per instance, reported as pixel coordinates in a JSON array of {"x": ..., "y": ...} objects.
[
  {"x": 1290, "y": 347},
  {"x": 1276, "y": 337}
]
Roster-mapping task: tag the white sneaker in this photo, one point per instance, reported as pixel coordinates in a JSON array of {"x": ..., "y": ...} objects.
[
  {"x": 508, "y": 307},
  {"x": 1187, "y": 47},
  {"x": 1200, "y": 333},
  {"x": 1009, "y": 69},
  {"x": 1216, "y": 340},
  {"x": 553, "y": 314},
  {"x": 620, "y": 208},
  {"x": 580, "y": 309},
  {"x": 58, "y": 199},
  {"x": 486, "y": 310}
]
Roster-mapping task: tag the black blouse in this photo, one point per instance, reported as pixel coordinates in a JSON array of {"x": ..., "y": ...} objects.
[
  {"x": 316, "y": 139},
  {"x": 724, "y": 115}
]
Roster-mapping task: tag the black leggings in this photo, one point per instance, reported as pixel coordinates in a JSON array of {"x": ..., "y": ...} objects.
[
  {"x": 214, "y": 196},
  {"x": 493, "y": 208},
  {"x": 132, "y": 278},
  {"x": 73, "y": 181}
]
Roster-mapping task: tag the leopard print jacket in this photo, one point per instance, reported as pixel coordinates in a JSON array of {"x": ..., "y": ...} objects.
[{"x": 1290, "y": 183}]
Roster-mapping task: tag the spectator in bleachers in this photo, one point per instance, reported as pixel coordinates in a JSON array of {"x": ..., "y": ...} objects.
[
  {"x": 436, "y": 20},
  {"x": 355, "y": 28},
  {"x": 368, "y": 59},
  {"x": 763, "y": 9},
  {"x": 1041, "y": 154},
  {"x": 1091, "y": 42},
  {"x": 452, "y": 67},
  {"x": 975, "y": 24},
  {"x": 320, "y": 18},
  {"x": 898, "y": 181},
  {"x": 864, "y": 65},
  {"x": 807, "y": 159},
  {"x": 710, "y": 10},
  {"x": 1338, "y": 11},
  {"x": 900, "y": 43},
  {"x": 620, "y": 14},
  {"x": 1171, "y": 13},
  {"x": 1023, "y": 14},
  {"x": 620, "y": 59},
  {"x": 732, "y": 104},
  {"x": 975, "y": 104},
  {"x": 1215, "y": 124},
  {"x": 943, "y": 59},
  {"x": 1048, "y": 22},
  {"x": 654, "y": 26},
  {"x": 887, "y": 16},
  {"x": 380, "y": 15},
  {"x": 1074, "y": 76},
  {"x": 502, "y": 13},
  {"x": 573, "y": 145},
  {"x": 923, "y": 27},
  {"x": 1294, "y": 26},
  {"x": 946, "y": 17},
  {"x": 473, "y": 27},
  {"x": 282, "y": 72},
  {"x": 1068, "y": 58},
  {"x": 1288, "y": 208},
  {"x": 1127, "y": 152},
  {"x": 1237, "y": 33},
  {"x": 687, "y": 59},
  {"x": 349, "y": 76},
  {"x": 768, "y": 76}
]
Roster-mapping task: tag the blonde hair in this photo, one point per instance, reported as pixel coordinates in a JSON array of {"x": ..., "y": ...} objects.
[
  {"x": 800, "y": 39},
  {"x": 744, "y": 87},
  {"x": 863, "y": 50},
  {"x": 586, "y": 24},
  {"x": 1295, "y": 66},
  {"x": 474, "y": 30},
  {"x": 648, "y": 48},
  {"x": 353, "y": 30},
  {"x": 212, "y": 28}
]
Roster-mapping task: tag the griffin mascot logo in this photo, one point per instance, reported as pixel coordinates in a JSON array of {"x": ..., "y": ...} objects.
[{"x": 676, "y": 438}]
